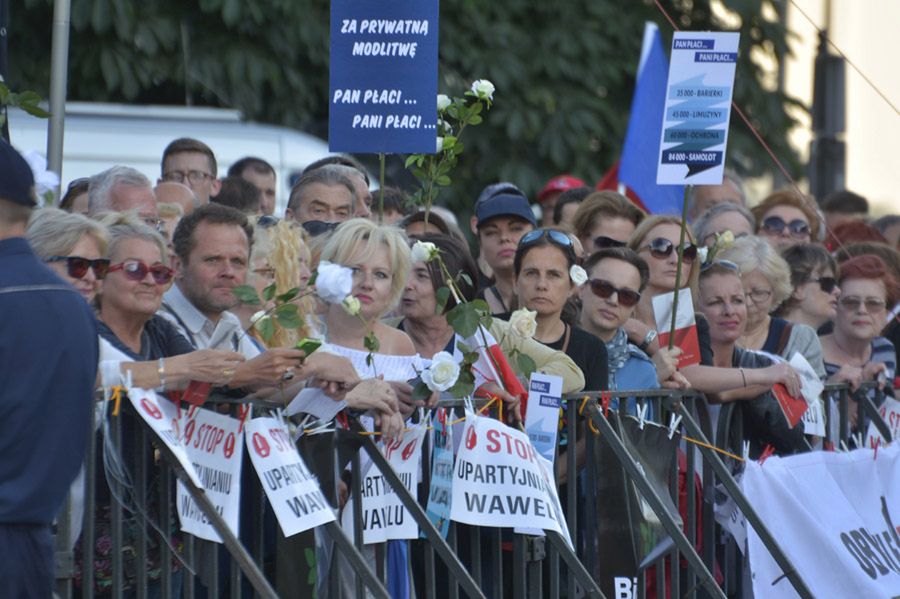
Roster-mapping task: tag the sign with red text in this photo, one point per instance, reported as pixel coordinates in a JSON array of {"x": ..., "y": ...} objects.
[
  {"x": 163, "y": 417},
  {"x": 213, "y": 443},
  {"x": 498, "y": 480},
  {"x": 685, "y": 325},
  {"x": 292, "y": 490},
  {"x": 890, "y": 413},
  {"x": 383, "y": 515}
]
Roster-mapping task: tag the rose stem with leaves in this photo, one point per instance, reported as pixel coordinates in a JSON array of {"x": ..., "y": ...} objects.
[{"x": 687, "y": 193}]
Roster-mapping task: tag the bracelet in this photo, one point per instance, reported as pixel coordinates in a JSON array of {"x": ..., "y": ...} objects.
[
  {"x": 161, "y": 371},
  {"x": 743, "y": 377}
]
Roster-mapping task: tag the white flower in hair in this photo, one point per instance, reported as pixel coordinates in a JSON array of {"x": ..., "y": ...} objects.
[
  {"x": 523, "y": 322},
  {"x": 45, "y": 181},
  {"x": 578, "y": 275},
  {"x": 333, "y": 282},
  {"x": 442, "y": 373}
]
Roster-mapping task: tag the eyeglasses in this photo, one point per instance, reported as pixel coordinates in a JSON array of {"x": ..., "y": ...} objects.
[
  {"x": 759, "y": 296},
  {"x": 605, "y": 289},
  {"x": 852, "y": 304},
  {"x": 826, "y": 284},
  {"x": 775, "y": 225},
  {"x": 661, "y": 248},
  {"x": 557, "y": 237},
  {"x": 318, "y": 227},
  {"x": 135, "y": 270},
  {"x": 193, "y": 177},
  {"x": 601, "y": 242},
  {"x": 77, "y": 267}
]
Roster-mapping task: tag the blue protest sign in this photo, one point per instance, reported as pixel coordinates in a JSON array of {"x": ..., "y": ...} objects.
[
  {"x": 383, "y": 84},
  {"x": 698, "y": 106}
]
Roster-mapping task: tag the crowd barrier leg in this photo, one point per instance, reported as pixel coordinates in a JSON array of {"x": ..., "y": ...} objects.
[
  {"x": 749, "y": 513},
  {"x": 656, "y": 504}
]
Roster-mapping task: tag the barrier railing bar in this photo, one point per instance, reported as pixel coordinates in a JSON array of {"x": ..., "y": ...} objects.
[
  {"x": 868, "y": 410},
  {"x": 452, "y": 538},
  {"x": 165, "y": 517},
  {"x": 654, "y": 500},
  {"x": 740, "y": 499},
  {"x": 495, "y": 543},
  {"x": 453, "y": 564},
  {"x": 116, "y": 521},
  {"x": 356, "y": 493},
  {"x": 519, "y": 566},
  {"x": 90, "y": 498},
  {"x": 357, "y": 562},
  {"x": 588, "y": 584},
  {"x": 140, "y": 489}
]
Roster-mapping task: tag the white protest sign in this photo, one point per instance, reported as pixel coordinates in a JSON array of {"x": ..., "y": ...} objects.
[
  {"x": 213, "y": 443},
  {"x": 542, "y": 417},
  {"x": 162, "y": 416},
  {"x": 698, "y": 106},
  {"x": 834, "y": 515},
  {"x": 890, "y": 413},
  {"x": 292, "y": 490},
  {"x": 498, "y": 480},
  {"x": 383, "y": 515}
]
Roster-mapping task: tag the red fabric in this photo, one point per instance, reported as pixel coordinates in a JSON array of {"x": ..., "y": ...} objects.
[{"x": 610, "y": 181}]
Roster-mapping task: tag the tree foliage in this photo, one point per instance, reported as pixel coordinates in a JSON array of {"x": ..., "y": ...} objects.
[{"x": 564, "y": 71}]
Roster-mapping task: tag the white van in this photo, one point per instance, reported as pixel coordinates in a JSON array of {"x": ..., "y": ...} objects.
[{"x": 98, "y": 136}]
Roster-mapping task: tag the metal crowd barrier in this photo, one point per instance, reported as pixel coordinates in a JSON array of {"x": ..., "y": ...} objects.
[{"x": 472, "y": 561}]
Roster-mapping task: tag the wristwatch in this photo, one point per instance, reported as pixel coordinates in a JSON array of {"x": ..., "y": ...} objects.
[{"x": 648, "y": 339}]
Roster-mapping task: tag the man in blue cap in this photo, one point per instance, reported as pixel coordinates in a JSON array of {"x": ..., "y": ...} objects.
[
  {"x": 48, "y": 368},
  {"x": 502, "y": 215}
]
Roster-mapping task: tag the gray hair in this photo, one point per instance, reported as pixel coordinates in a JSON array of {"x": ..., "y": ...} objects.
[
  {"x": 331, "y": 175},
  {"x": 54, "y": 232},
  {"x": 702, "y": 224},
  {"x": 102, "y": 184},
  {"x": 727, "y": 175},
  {"x": 756, "y": 253},
  {"x": 123, "y": 226},
  {"x": 886, "y": 222}
]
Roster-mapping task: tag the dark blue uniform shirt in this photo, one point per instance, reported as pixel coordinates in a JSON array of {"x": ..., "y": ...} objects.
[{"x": 48, "y": 367}]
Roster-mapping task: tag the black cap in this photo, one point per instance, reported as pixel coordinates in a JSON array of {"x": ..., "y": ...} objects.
[
  {"x": 16, "y": 178},
  {"x": 504, "y": 204}
]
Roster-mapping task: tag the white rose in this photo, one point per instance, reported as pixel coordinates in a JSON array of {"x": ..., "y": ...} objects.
[
  {"x": 258, "y": 316},
  {"x": 725, "y": 240},
  {"x": 443, "y": 102},
  {"x": 351, "y": 305},
  {"x": 333, "y": 282},
  {"x": 45, "y": 182},
  {"x": 424, "y": 251},
  {"x": 523, "y": 323},
  {"x": 483, "y": 89},
  {"x": 702, "y": 252},
  {"x": 439, "y": 145},
  {"x": 578, "y": 275},
  {"x": 442, "y": 373}
]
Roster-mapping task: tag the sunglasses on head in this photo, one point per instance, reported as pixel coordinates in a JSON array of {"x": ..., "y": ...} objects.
[
  {"x": 77, "y": 267},
  {"x": 135, "y": 270},
  {"x": 776, "y": 225},
  {"x": 557, "y": 237},
  {"x": 826, "y": 284},
  {"x": 602, "y": 242},
  {"x": 605, "y": 289},
  {"x": 661, "y": 248},
  {"x": 723, "y": 263}
]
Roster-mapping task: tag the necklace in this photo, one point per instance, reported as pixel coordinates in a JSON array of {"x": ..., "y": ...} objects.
[{"x": 867, "y": 354}]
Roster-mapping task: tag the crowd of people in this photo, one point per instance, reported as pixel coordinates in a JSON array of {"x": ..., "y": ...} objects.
[{"x": 146, "y": 273}]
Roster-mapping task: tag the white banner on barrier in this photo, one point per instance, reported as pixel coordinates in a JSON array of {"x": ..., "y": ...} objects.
[
  {"x": 213, "y": 443},
  {"x": 162, "y": 416},
  {"x": 292, "y": 490},
  {"x": 890, "y": 413},
  {"x": 383, "y": 515},
  {"x": 498, "y": 480},
  {"x": 835, "y": 515}
]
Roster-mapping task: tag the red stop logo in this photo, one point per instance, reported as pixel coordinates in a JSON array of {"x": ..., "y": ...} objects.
[
  {"x": 471, "y": 439},
  {"x": 409, "y": 449},
  {"x": 228, "y": 449},
  {"x": 151, "y": 409},
  {"x": 260, "y": 445}
]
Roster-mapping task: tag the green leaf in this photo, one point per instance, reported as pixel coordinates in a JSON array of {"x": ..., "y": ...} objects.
[
  {"x": 442, "y": 296},
  {"x": 266, "y": 328},
  {"x": 35, "y": 110},
  {"x": 421, "y": 392},
  {"x": 475, "y": 120},
  {"x": 269, "y": 292},
  {"x": 443, "y": 180},
  {"x": 288, "y": 295},
  {"x": 464, "y": 386},
  {"x": 411, "y": 159},
  {"x": 246, "y": 295},
  {"x": 525, "y": 363},
  {"x": 465, "y": 278},
  {"x": 312, "y": 279},
  {"x": 463, "y": 348},
  {"x": 464, "y": 318},
  {"x": 371, "y": 343},
  {"x": 288, "y": 316}
]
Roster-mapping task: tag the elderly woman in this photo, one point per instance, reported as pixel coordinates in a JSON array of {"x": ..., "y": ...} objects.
[
  {"x": 813, "y": 301},
  {"x": 72, "y": 245},
  {"x": 767, "y": 283},
  {"x": 722, "y": 301},
  {"x": 786, "y": 218},
  {"x": 723, "y": 217}
]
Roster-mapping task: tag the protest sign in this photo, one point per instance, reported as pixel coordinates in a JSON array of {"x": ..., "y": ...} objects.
[
  {"x": 498, "y": 480},
  {"x": 685, "y": 325},
  {"x": 835, "y": 516},
  {"x": 811, "y": 387},
  {"x": 441, "y": 487},
  {"x": 383, "y": 76},
  {"x": 163, "y": 417},
  {"x": 890, "y": 413},
  {"x": 213, "y": 443},
  {"x": 383, "y": 515},
  {"x": 292, "y": 490},
  {"x": 698, "y": 106},
  {"x": 542, "y": 418}
]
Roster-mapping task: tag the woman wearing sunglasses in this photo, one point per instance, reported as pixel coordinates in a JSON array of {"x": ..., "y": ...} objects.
[
  {"x": 786, "y": 218},
  {"x": 855, "y": 352},
  {"x": 767, "y": 283},
  {"x": 72, "y": 245},
  {"x": 814, "y": 298}
]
